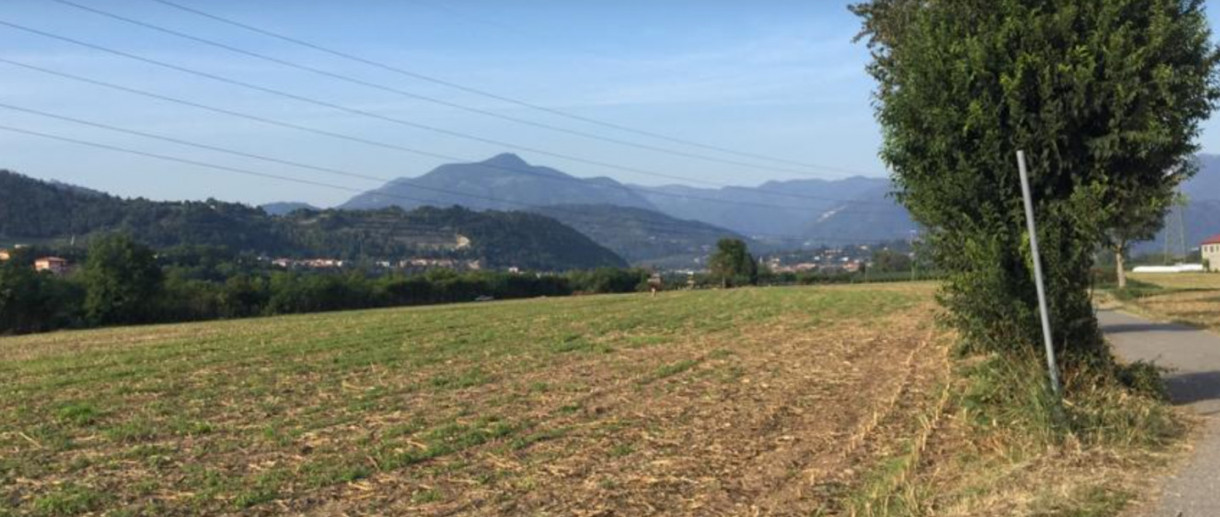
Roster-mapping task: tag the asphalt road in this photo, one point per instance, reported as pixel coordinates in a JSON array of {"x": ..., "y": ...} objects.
[{"x": 1194, "y": 356}]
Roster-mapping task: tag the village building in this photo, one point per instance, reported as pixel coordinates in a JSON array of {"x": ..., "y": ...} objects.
[
  {"x": 53, "y": 265},
  {"x": 1210, "y": 249},
  {"x": 5, "y": 254}
]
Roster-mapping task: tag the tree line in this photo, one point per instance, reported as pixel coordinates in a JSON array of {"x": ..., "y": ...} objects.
[{"x": 123, "y": 282}]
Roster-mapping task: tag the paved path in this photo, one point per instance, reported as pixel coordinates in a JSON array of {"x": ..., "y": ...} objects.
[{"x": 1194, "y": 355}]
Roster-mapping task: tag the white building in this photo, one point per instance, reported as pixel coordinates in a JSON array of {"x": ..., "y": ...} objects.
[{"x": 1211, "y": 253}]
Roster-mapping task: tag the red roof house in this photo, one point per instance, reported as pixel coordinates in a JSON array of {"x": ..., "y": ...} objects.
[{"x": 1210, "y": 249}]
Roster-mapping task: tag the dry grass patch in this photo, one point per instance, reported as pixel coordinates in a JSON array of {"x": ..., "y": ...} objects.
[
  {"x": 716, "y": 402},
  {"x": 1187, "y": 298},
  {"x": 1179, "y": 280},
  {"x": 1000, "y": 447},
  {"x": 773, "y": 401}
]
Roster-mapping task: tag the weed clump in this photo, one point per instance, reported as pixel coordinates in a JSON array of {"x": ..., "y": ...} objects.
[{"x": 1106, "y": 405}]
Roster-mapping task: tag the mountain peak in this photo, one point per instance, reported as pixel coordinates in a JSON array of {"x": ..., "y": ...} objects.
[{"x": 506, "y": 160}]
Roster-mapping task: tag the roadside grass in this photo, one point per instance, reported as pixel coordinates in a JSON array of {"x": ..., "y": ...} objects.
[{"x": 1005, "y": 447}]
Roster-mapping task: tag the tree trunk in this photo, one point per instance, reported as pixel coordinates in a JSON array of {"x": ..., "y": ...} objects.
[{"x": 1119, "y": 268}]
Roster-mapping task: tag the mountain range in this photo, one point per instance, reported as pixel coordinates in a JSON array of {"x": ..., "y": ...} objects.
[
  {"x": 794, "y": 211},
  {"x": 775, "y": 214},
  {"x": 515, "y": 213}
]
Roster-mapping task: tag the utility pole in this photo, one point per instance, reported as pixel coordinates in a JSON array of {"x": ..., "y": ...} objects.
[
  {"x": 1175, "y": 229},
  {"x": 1033, "y": 248}
]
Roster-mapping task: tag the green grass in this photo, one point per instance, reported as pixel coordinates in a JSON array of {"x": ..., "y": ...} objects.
[
  {"x": 232, "y": 416},
  {"x": 69, "y": 500}
]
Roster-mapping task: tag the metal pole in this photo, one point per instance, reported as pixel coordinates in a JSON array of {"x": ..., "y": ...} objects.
[{"x": 1033, "y": 248}]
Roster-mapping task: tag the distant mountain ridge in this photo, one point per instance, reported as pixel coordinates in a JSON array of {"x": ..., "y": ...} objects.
[
  {"x": 783, "y": 213},
  {"x": 812, "y": 211},
  {"x": 1205, "y": 185},
  {"x": 42, "y": 212},
  {"x": 1201, "y": 217},
  {"x": 503, "y": 182},
  {"x": 804, "y": 211}
]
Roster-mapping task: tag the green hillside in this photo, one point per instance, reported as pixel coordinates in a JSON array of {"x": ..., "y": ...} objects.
[
  {"x": 37, "y": 211},
  {"x": 643, "y": 237}
]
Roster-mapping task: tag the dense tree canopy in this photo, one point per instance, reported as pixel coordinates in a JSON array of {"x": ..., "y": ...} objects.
[
  {"x": 29, "y": 300},
  {"x": 733, "y": 264},
  {"x": 1105, "y": 97},
  {"x": 889, "y": 261},
  {"x": 122, "y": 280}
]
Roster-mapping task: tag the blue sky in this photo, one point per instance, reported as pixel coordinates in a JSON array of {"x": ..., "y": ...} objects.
[{"x": 776, "y": 78}]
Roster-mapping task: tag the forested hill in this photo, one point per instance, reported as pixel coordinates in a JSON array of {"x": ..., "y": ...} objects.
[
  {"x": 496, "y": 239},
  {"x": 42, "y": 212},
  {"x": 643, "y": 237}
]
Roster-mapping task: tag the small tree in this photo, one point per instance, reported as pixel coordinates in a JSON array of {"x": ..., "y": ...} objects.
[
  {"x": 1136, "y": 214},
  {"x": 732, "y": 264},
  {"x": 890, "y": 261},
  {"x": 122, "y": 281}
]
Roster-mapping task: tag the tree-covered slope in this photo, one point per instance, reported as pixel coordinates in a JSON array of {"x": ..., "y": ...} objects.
[
  {"x": 38, "y": 211},
  {"x": 641, "y": 236},
  {"x": 496, "y": 239}
]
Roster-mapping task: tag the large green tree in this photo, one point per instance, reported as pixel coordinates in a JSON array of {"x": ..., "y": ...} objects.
[
  {"x": 122, "y": 281},
  {"x": 732, "y": 263},
  {"x": 26, "y": 304},
  {"x": 1105, "y": 97}
]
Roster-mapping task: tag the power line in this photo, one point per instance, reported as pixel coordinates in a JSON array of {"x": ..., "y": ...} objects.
[
  {"x": 236, "y": 170},
  {"x": 502, "y": 98},
  {"x": 369, "y": 114},
  {"x": 269, "y": 159},
  {"x": 411, "y": 95},
  {"x": 243, "y": 154},
  {"x": 386, "y": 145}
]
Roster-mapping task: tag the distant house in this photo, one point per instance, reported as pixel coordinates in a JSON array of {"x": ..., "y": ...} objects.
[
  {"x": 5, "y": 254},
  {"x": 1211, "y": 253},
  {"x": 55, "y": 265}
]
